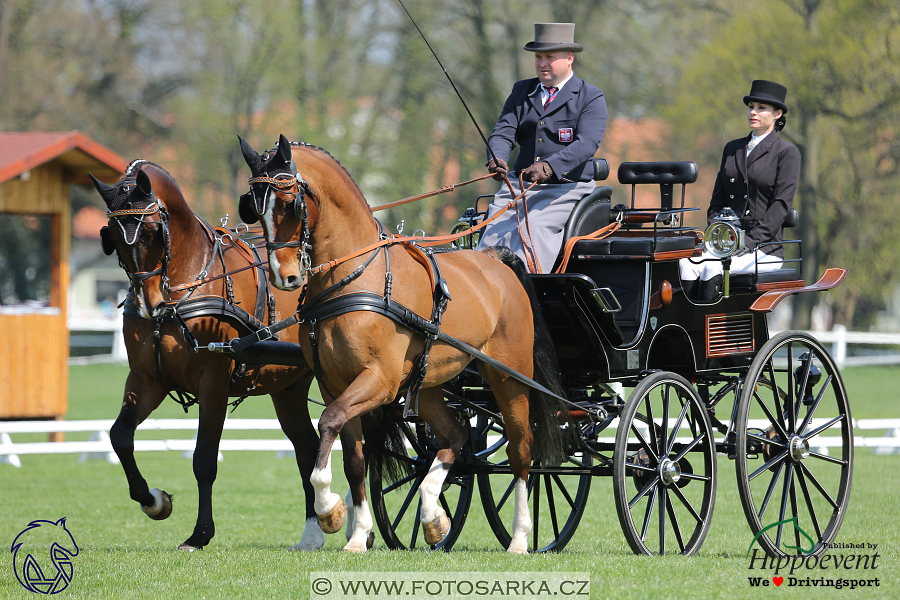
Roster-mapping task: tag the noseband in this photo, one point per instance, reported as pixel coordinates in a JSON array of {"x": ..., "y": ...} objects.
[
  {"x": 301, "y": 211},
  {"x": 140, "y": 213}
]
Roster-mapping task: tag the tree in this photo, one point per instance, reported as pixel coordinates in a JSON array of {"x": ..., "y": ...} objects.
[{"x": 835, "y": 56}]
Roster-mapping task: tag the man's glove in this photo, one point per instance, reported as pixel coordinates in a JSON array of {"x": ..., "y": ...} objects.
[
  {"x": 499, "y": 168},
  {"x": 539, "y": 172}
]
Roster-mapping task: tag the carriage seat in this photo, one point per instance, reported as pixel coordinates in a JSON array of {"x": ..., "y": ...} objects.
[{"x": 748, "y": 282}]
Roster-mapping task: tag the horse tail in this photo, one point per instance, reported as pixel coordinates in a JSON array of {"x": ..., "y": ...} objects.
[
  {"x": 549, "y": 446},
  {"x": 386, "y": 441}
]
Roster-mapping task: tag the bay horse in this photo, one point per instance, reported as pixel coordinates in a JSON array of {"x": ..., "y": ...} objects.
[
  {"x": 313, "y": 213},
  {"x": 160, "y": 244}
]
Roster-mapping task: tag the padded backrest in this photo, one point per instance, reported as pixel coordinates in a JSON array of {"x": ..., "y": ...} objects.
[
  {"x": 590, "y": 214},
  {"x": 666, "y": 174}
]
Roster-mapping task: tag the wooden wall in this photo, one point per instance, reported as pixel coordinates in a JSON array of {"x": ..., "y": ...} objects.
[{"x": 34, "y": 348}]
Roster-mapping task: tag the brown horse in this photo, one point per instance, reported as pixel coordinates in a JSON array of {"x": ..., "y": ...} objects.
[
  {"x": 163, "y": 245},
  {"x": 313, "y": 213}
]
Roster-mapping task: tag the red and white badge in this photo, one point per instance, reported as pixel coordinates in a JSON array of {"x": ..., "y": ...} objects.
[{"x": 566, "y": 134}]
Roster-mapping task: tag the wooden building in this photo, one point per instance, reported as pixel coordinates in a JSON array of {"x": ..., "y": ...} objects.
[{"x": 36, "y": 170}]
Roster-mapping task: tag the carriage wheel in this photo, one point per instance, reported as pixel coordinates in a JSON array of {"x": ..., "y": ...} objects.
[
  {"x": 664, "y": 476},
  {"x": 557, "y": 494},
  {"x": 796, "y": 490},
  {"x": 397, "y": 506}
]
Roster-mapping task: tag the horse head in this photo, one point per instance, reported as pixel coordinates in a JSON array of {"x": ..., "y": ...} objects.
[
  {"x": 289, "y": 201},
  {"x": 139, "y": 231}
]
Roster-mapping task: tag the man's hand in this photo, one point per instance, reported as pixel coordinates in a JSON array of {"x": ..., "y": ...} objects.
[
  {"x": 539, "y": 172},
  {"x": 499, "y": 168}
]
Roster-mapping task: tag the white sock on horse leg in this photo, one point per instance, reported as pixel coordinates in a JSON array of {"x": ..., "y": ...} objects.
[{"x": 430, "y": 490}]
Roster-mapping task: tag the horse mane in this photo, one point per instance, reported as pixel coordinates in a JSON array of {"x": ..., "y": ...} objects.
[{"x": 338, "y": 163}]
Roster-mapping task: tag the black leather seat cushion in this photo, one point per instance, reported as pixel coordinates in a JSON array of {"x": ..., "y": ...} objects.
[
  {"x": 746, "y": 280},
  {"x": 642, "y": 246}
]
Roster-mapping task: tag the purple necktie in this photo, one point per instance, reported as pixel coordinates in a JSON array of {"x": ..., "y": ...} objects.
[{"x": 551, "y": 94}]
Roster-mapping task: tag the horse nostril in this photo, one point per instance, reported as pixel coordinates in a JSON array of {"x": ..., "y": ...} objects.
[{"x": 292, "y": 281}]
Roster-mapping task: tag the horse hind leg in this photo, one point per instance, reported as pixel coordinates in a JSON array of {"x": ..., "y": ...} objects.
[
  {"x": 359, "y": 518},
  {"x": 450, "y": 437}
]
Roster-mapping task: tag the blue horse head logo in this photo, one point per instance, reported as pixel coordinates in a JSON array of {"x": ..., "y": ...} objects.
[{"x": 42, "y": 555}]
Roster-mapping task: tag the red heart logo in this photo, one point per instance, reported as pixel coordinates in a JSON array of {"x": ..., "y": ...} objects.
[{"x": 777, "y": 580}]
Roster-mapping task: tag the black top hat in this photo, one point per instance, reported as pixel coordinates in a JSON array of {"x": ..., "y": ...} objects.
[
  {"x": 550, "y": 37},
  {"x": 767, "y": 92}
]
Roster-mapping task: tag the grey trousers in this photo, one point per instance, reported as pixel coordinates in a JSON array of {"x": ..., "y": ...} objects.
[{"x": 549, "y": 207}]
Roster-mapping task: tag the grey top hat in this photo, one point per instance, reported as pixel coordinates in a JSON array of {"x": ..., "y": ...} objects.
[
  {"x": 767, "y": 92},
  {"x": 550, "y": 37}
]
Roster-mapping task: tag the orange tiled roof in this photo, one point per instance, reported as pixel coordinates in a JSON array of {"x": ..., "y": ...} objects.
[{"x": 22, "y": 151}]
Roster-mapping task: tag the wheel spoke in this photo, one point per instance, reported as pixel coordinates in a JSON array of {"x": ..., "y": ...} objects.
[
  {"x": 401, "y": 483},
  {"x": 662, "y": 520},
  {"x": 648, "y": 513},
  {"x": 405, "y": 506},
  {"x": 643, "y": 492},
  {"x": 768, "y": 496},
  {"x": 827, "y": 425},
  {"x": 506, "y": 494},
  {"x": 536, "y": 520},
  {"x": 563, "y": 489},
  {"x": 789, "y": 398},
  {"x": 785, "y": 493},
  {"x": 826, "y": 458},
  {"x": 415, "y": 532},
  {"x": 765, "y": 440},
  {"x": 677, "y": 426},
  {"x": 650, "y": 427},
  {"x": 801, "y": 479},
  {"x": 774, "y": 383},
  {"x": 675, "y": 527},
  {"x": 689, "y": 447},
  {"x": 687, "y": 504},
  {"x": 795, "y": 512},
  {"x": 695, "y": 477},
  {"x": 650, "y": 450},
  {"x": 665, "y": 419},
  {"x": 551, "y": 505},
  {"x": 818, "y": 486},
  {"x": 757, "y": 472},
  {"x": 812, "y": 410},
  {"x": 776, "y": 423},
  {"x": 804, "y": 382}
]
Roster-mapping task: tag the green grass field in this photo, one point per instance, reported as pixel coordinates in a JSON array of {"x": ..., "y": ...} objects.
[{"x": 259, "y": 513}]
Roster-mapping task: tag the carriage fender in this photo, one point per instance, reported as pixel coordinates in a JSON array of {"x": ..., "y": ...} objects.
[{"x": 671, "y": 349}]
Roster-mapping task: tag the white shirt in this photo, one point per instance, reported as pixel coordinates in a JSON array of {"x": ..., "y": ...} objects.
[
  {"x": 545, "y": 92},
  {"x": 754, "y": 140}
]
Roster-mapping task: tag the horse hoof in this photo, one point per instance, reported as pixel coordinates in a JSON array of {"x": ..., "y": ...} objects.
[
  {"x": 162, "y": 505},
  {"x": 436, "y": 531},
  {"x": 518, "y": 546},
  {"x": 334, "y": 520},
  {"x": 188, "y": 548}
]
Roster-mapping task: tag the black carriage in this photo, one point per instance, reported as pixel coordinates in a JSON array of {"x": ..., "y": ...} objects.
[{"x": 705, "y": 379}]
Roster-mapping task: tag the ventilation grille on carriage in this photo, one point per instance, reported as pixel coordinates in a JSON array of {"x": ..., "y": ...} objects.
[{"x": 729, "y": 334}]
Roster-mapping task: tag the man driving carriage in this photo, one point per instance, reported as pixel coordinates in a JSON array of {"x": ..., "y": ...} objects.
[{"x": 558, "y": 122}]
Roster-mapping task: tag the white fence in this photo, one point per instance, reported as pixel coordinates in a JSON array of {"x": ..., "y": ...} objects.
[{"x": 99, "y": 446}]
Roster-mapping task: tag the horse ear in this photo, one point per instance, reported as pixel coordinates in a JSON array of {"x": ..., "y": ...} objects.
[
  {"x": 107, "y": 192},
  {"x": 144, "y": 187},
  {"x": 284, "y": 149},
  {"x": 251, "y": 156},
  {"x": 106, "y": 242}
]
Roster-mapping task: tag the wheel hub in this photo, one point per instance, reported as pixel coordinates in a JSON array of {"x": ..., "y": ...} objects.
[
  {"x": 799, "y": 448},
  {"x": 669, "y": 471}
]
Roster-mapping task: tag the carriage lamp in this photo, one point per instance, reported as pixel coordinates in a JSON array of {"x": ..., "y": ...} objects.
[{"x": 724, "y": 236}]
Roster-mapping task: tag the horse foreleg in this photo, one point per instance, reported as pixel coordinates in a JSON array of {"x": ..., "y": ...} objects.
[
  {"x": 136, "y": 407},
  {"x": 450, "y": 436},
  {"x": 213, "y": 409},
  {"x": 359, "y": 518},
  {"x": 292, "y": 410}
]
